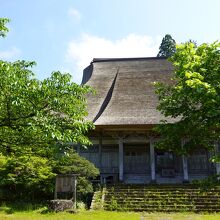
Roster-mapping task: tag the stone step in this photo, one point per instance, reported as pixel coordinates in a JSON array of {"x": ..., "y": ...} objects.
[
  {"x": 167, "y": 200},
  {"x": 165, "y": 192},
  {"x": 172, "y": 210},
  {"x": 162, "y": 198},
  {"x": 161, "y": 195},
  {"x": 160, "y": 189}
]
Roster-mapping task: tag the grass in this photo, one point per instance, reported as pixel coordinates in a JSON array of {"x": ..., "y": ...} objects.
[
  {"x": 84, "y": 215},
  {"x": 28, "y": 211},
  {"x": 103, "y": 215},
  {"x": 179, "y": 216}
]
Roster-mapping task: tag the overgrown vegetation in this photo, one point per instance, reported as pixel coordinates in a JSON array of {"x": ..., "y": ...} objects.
[{"x": 39, "y": 118}]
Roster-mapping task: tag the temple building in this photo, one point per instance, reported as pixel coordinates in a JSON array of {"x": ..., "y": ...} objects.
[{"x": 124, "y": 112}]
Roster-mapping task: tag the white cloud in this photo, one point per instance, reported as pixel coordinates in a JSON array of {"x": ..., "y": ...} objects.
[
  {"x": 11, "y": 53},
  {"x": 74, "y": 14},
  {"x": 81, "y": 52}
]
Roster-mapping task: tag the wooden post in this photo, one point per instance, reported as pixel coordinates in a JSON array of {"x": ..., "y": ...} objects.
[
  {"x": 55, "y": 191},
  {"x": 78, "y": 148},
  {"x": 100, "y": 152},
  {"x": 217, "y": 164},
  {"x": 121, "y": 159},
  {"x": 152, "y": 161},
  {"x": 100, "y": 157},
  {"x": 185, "y": 165},
  {"x": 74, "y": 196}
]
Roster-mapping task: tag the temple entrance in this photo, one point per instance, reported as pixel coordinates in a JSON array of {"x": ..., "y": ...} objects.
[
  {"x": 165, "y": 164},
  {"x": 136, "y": 159}
]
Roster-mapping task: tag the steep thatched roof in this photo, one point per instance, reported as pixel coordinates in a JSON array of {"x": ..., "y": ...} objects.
[{"x": 124, "y": 90}]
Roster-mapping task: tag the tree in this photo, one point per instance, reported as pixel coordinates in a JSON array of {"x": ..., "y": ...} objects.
[
  {"x": 3, "y": 28},
  {"x": 193, "y": 98},
  {"x": 167, "y": 47},
  {"x": 35, "y": 112},
  {"x": 38, "y": 120}
]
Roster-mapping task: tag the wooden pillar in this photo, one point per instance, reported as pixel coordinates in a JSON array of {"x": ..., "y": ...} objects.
[
  {"x": 217, "y": 165},
  {"x": 152, "y": 161},
  {"x": 55, "y": 191},
  {"x": 121, "y": 159},
  {"x": 78, "y": 148},
  {"x": 74, "y": 193},
  {"x": 100, "y": 152},
  {"x": 185, "y": 165}
]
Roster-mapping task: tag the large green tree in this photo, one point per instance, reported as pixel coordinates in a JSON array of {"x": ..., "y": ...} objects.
[
  {"x": 35, "y": 112},
  {"x": 193, "y": 98},
  {"x": 38, "y": 121},
  {"x": 167, "y": 47}
]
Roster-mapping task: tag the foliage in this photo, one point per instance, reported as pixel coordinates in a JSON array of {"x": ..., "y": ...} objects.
[
  {"x": 32, "y": 170},
  {"x": 3, "y": 28},
  {"x": 192, "y": 99},
  {"x": 38, "y": 118},
  {"x": 31, "y": 177},
  {"x": 35, "y": 112},
  {"x": 208, "y": 183},
  {"x": 167, "y": 47},
  {"x": 72, "y": 163}
]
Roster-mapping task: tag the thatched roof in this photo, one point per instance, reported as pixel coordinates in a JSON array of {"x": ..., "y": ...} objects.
[{"x": 125, "y": 94}]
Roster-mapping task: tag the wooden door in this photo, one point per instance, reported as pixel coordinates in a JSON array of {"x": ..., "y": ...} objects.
[
  {"x": 136, "y": 159},
  {"x": 198, "y": 162}
]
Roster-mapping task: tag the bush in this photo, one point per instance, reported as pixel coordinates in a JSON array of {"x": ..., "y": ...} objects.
[
  {"x": 26, "y": 176},
  {"x": 207, "y": 183},
  {"x": 31, "y": 177}
]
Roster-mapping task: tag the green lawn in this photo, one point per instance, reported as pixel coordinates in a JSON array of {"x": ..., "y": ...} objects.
[
  {"x": 104, "y": 215},
  {"x": 85, "y": 215}
]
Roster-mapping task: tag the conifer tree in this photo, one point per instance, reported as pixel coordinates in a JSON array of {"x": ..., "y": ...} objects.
[{"x": 167, "y": 47}]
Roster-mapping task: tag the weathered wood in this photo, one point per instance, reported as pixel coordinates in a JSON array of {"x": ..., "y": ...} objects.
[
  {"x": 185, "y": 169},
  {"x": 91, "y": 153},
  {"x": 217, "y": 152},
  {"x": 100, "y": 151},
  {"x": 152, "y": 161},
  {"x": 185, "y": 164},
  {"x": 136, "y": 159},
  {"x": 121, "y": 159},
  {"x": 65, "y": 185},
  {"x": 198, "y": 162},
  {"x": 110, "y": 159}
]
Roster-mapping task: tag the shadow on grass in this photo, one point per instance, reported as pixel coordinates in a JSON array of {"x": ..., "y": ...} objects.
[{"x": 19, "y": 206}]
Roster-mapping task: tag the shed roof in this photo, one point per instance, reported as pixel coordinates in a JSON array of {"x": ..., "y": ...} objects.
[{"x": 125, "y": 94}]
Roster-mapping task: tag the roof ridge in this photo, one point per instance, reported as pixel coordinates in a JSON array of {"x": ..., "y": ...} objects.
[{"x": 126, "y": 59}]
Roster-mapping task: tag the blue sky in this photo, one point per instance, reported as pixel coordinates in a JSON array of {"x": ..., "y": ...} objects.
[{"x": 66, "y": 35}]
